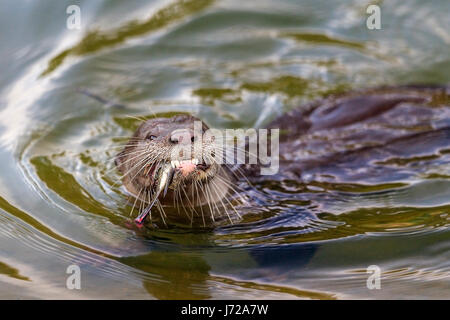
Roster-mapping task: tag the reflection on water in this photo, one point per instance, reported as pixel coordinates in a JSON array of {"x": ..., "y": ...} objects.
[
  {"x": 305, "y": 235},
  {"x": 96, "y": 40}
]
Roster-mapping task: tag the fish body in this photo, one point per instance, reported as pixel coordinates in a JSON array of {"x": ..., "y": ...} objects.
[{"x": 163, "y": 184}]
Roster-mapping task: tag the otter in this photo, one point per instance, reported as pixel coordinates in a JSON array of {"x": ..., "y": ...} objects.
[
  {"x": 158, "y": 144},
  {"x": 373, "y": 121}
]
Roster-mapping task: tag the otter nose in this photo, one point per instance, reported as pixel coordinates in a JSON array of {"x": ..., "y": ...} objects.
[{"x": 181, "y": 136}]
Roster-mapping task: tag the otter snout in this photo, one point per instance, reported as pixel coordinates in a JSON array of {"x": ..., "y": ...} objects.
[{"x": 182, "y": 136}]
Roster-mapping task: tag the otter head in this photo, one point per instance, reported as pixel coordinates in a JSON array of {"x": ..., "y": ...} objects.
[{"x": 177, "y": 145}]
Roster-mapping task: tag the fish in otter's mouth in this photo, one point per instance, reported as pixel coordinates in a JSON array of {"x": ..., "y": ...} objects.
[{"x": 165, "y": 163}]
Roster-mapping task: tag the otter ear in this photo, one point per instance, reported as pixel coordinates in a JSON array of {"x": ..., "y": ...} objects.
[{"x": 118, "y": 161}]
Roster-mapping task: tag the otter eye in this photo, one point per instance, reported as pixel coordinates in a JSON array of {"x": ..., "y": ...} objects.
[{"x": 150, "y": 137}]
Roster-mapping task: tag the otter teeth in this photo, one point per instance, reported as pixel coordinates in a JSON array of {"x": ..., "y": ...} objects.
[{"x": 176, "y": 163}]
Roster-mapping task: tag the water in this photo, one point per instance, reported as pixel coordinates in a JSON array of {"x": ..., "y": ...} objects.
[{"x": 233, "y": 64}]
